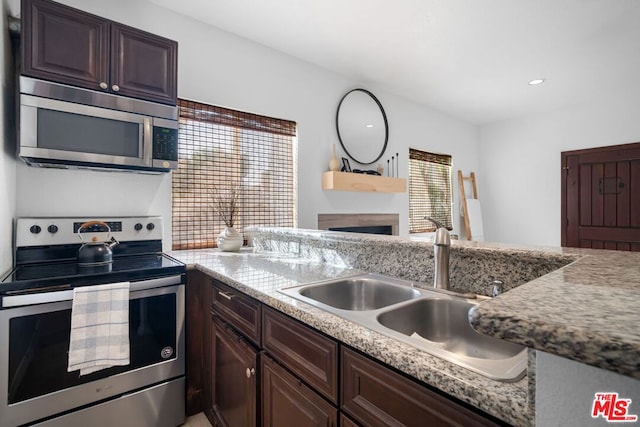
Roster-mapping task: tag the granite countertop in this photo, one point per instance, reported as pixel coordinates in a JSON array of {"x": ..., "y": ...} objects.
[
  {"x": 262, "y": 274},
  {"x": 586, "y": 311},
  {"x": 580, "y": 304}
]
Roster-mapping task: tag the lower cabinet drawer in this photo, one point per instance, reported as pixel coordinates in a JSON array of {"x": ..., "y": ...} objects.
[
  {"x": 307, "y": 353},
  {"x": 237, "y": 309},
  {"x": 374, "y": 395},
  {"x": 286, "y": 401}
]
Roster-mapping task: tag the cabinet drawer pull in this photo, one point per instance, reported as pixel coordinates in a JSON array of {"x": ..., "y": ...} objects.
[
  {"x": 226, "y": 295},
  {"x": 250, "y": 372},
  {"x": 115, "y": 88},
  {"x": 103, "y": 85}
]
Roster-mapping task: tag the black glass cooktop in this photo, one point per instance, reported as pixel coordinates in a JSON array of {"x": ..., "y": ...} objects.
[{"x": 33, "y": 277}]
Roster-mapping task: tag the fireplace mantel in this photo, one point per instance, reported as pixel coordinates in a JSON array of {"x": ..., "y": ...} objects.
[{"x": 349, "y": 181}]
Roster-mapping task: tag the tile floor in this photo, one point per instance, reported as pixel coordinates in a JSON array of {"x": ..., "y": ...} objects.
[{"x": 197, "y": 420}]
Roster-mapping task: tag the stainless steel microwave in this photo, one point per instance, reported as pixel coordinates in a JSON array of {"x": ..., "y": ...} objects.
[{"x": 67, "y": 127}]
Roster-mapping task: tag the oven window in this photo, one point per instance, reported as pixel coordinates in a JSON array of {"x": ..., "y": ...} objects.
[
  {"x": 59, "y": 130},
  {"x": 38, "y": 347}
]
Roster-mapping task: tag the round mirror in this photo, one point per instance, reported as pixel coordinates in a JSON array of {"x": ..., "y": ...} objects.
[{"x": 362, "y": 126}]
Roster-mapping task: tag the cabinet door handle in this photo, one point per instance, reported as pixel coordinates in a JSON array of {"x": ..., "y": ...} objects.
[
  {"x": 226, "y": 295},
  {"x": 103, "y": 85},
  {"x": 115, "y": 88},
  {"x": 250, "y": 372}
]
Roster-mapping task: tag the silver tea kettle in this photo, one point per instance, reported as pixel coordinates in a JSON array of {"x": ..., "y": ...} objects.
[{"x": 96, "y": 253}]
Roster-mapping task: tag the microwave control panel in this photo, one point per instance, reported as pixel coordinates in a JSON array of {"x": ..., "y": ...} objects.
[{"x": 165, "y": 143}]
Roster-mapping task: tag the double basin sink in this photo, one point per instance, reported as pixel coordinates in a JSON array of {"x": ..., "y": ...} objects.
[{"x": 432, "y": 320}]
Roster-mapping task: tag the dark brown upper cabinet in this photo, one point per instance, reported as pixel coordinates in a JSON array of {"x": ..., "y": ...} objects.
[
  {"x": 69, "y": 46},
  {"x": 143, "y": 65}
]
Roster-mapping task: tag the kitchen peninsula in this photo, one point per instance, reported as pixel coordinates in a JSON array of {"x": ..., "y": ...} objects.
[{"x": 577, "y": 304}]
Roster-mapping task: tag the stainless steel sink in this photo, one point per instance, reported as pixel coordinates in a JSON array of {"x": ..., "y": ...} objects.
[
  {"x": 359, "y": 293},
  {"x": 432, "y": 320},
  {"x": 445, "y": 322}
]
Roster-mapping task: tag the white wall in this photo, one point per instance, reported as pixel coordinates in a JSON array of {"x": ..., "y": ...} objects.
[
  {"x": 222, "y": 69},
  {"x": 7, "y": 156},
  {"x": 519, "y": 181}
]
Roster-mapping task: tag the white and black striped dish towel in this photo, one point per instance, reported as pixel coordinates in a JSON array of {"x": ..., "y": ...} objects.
[{"x": 99, "y": 327}]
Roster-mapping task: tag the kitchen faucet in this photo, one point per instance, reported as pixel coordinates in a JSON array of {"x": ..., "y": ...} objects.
[{"x": 441, "y": 249}]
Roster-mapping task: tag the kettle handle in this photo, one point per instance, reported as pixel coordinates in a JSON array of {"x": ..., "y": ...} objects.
[{"x": 89, "y": 224}]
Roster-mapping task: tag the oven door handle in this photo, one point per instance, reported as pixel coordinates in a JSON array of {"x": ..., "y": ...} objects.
[{"x": 57, "y": 296}]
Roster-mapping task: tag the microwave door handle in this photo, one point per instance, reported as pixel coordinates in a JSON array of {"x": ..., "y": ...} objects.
[
  {"x": 146, "y": 141},
  {"x": 28, "y": 132}
]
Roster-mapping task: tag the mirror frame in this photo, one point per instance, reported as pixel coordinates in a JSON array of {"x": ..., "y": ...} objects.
[{"x": 384, "y": 117}]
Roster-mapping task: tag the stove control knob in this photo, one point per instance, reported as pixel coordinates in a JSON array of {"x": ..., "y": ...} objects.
[
  {"x": 138, "y": 227},
  {"x": 35, "y": 229},
  {"x": 52, "y": 229},
  {"x": 150, "y": 226}
]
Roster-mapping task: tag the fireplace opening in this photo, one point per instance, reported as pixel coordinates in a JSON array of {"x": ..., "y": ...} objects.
[
  {"x": 360, "y": 223},
  {"x": 373, "y": 229}
]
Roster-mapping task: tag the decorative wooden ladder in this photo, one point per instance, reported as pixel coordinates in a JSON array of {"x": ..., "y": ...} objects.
[{"x": 463, "y": 199}]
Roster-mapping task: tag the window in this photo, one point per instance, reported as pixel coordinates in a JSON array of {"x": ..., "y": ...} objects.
[
  {"x": 430, "y": 191},
  {"x": 222, "y": 149}
]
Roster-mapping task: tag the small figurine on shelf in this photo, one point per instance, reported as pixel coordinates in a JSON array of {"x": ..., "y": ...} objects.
[
  {"x": 380, "y": 169},
  {"x": 346, "y": 166}
]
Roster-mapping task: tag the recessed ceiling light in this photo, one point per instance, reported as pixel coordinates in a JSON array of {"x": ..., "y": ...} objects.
[
  {"x": 536, "y": 82},
  {"x": 368, "y": 126}
]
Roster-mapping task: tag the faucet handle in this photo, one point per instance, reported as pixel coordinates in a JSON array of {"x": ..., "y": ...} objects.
[
  {"x": 441, "y": 238},
  {"x": 496, "y": 288},
  {"x": 436, "y": 222}
]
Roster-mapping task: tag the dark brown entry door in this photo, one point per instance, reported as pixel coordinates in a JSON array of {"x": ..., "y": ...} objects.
[{"x": 601, "y": 198}]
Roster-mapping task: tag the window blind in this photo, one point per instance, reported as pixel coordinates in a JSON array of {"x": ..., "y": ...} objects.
[
  {"x": 220, "y": 150},
  {"x": 430, "y": 192}
]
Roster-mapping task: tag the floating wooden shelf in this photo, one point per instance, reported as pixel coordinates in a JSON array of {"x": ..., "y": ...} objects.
[{"x": 349, "y": 181}]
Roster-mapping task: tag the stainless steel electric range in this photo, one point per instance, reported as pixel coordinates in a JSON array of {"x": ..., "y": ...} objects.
[{"x": 35, "y": 318}]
